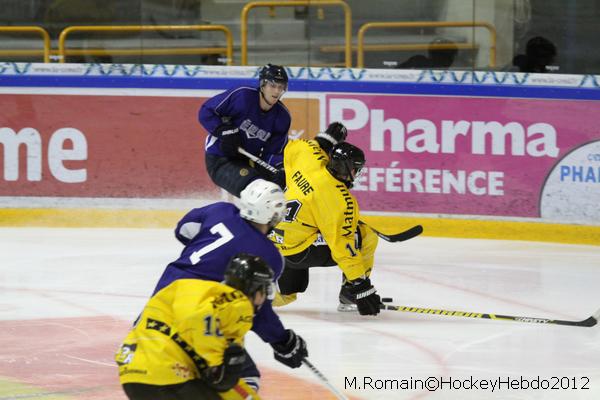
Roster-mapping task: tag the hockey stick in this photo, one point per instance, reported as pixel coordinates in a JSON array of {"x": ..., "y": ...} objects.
[
  {"x": 588, "y": 323},
  {"x": 324, "y": 380},
  {"x": 398, "y": 237},
  {"x": 258, "y": 161}
]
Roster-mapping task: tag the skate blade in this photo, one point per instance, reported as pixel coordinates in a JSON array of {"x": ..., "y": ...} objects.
[{"x": 347, "y": 307}]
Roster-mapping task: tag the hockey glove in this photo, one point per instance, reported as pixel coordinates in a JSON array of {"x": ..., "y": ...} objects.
[
  {"x": 223, "y": 377},
  {"x": 337, "y": 131},
  {"x": 225, "y": 129},
  {"x": 230, "y": 139},
  {"x": 279, "y": 178},
  {"x": 334, "y": 134},
  {"x": 292, "y": 351},
  {"x": 365, "y": 295}
]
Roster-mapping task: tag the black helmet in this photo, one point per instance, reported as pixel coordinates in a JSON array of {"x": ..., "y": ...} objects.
[
  {"x": 345, "y": 162},
  {"x": 249, "y": 274},
  {"x": 274, "y": 73}
]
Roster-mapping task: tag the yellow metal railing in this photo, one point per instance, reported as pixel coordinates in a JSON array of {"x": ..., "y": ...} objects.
[
  {"x": 28, "y": 29},
  {"x": 296, "y": 3},
  {"x": 360, "y": 56},
  {"x": 334, "y": 48},
  {"x": 228, "y": 50}
]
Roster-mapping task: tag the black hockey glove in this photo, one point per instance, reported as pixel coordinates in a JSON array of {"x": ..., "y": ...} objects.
[
  {"x": 334, "y": 134},
  {"x": 279, "y": 178},
  {"x": 367, "y": 299},
  {"x": 230, "y": 139},
  {"x": 271, "y": 173},
  {"x": 292, "y": 351},
  {"x": 223, "y": 377},
  {"x": 225, "y": 129},
  {"x": 337, "y": 131}
]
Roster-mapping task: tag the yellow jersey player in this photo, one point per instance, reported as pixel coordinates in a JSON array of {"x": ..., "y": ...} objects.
[
  {"x": 321, "y": 226},
  {"x": 187, "y": 343}
]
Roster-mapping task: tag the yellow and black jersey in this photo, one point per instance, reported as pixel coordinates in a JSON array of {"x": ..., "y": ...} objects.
[
  {"x": 184, "y": 327},
  {"x": 319, "y": 203}
]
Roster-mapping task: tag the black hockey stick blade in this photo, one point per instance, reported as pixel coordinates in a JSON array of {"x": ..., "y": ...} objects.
[
  {"x": 401, "y": 236},
  {"x": 587, "y": 323}
]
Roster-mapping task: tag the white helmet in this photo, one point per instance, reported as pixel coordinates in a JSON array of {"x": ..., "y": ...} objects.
[{"x": 262, "y": 202}]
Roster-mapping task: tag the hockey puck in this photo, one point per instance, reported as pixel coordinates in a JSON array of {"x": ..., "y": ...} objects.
[{"x": 386, "y": 300}]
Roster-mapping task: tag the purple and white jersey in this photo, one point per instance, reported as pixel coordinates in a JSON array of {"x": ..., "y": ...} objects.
[
  {"x": 214, "y": 234},
  {"x": 263, "y": 134}
]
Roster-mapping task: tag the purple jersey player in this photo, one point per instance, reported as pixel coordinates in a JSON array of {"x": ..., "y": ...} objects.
[
  {"x": 214, "y": 234},
  {"x": 251, "y": 118}
]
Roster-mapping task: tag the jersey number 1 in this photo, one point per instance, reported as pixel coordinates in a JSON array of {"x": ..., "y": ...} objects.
[{"x": 225, "y": 236}]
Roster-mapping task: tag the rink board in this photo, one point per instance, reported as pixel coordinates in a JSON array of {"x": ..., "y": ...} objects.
[
  {"x": 440, "y": 227},
  {"x": 461, "y": 145}
]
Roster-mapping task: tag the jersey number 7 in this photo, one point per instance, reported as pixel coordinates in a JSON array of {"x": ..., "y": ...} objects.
[{"x": 225, "y": 236}]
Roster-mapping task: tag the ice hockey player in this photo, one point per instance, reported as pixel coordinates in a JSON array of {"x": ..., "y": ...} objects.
[
  {"x": 254, "y": 119},
  {"x": 188, "y": 342},
  {"x": 321, "y": 224},
  {"x": 213, "y": 234}
]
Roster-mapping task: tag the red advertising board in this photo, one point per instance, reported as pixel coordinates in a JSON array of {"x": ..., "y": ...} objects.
[
  {"x": 102, "y": 146},
  {"x": 74, "y": 145}
]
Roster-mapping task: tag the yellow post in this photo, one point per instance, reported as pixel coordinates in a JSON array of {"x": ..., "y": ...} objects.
[
  {"x": 360, "y": 57},
  {"x": 30, "y": 29},
  {"x": 296, "y": 3},
  {"x": 62, "y": 51}
]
